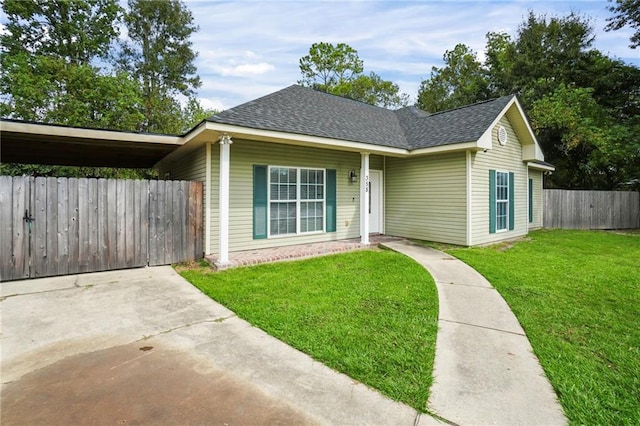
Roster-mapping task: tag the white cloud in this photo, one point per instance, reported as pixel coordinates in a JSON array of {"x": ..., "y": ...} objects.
[
  {"x": 400, "y": 41},
  {"x": 247, "y": 69},
  {"x": 212, "y": 104},
  {"x": 248, "y": 49}
]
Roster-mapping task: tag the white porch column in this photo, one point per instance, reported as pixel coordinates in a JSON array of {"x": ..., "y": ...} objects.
[
  {"x": 364, "y": 197},
  {"x": 223, "y": 202},
  {"x": 207, "y": 200}
]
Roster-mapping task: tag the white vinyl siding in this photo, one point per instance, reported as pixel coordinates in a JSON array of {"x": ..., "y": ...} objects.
[
  {"x": 426, "y": 197},
  {"x": 501, "y": 158},
  {"x": 187, "y": 166}
]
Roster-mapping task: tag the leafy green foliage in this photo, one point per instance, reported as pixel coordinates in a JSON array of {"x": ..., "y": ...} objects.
[
  {"x": 462, "y": 81},
  {"x": 159, "y": 56},
  {"x": 583, "y": 105},
  {"x": 77, "y": 31},
  {"x": 372, "y": 89},
  {"x": 369, "y": 314},
  {"x": 626, "y": 13},
  {"x": 576, "y": 295},
  {"x": 327, "y": 65},
  {"x": 338, "y": 70},
  {"x": 10, "y": 169},
  {"x": 55, "y": 69},
  {"x": 47, "y": 74},
  {"x": 545, "y": 53}
]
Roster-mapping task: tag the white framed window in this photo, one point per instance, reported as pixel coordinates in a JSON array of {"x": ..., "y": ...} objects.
[
  {"x": 502, "y": 201},
  {"x": 296, "y": 200}
]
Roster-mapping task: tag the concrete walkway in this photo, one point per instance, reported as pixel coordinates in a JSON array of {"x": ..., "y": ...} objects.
[
  {"x": 485, "y": 371},
  {"x": 144, "y": 346}
]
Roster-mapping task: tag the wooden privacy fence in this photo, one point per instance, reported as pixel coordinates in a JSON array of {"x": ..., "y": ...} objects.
[
  {"x": 58, "y": 226},
  {"x": 591, "y": 209}
]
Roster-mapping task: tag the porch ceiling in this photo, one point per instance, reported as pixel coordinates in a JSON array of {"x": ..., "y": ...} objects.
[{"x": 36, "y": 143}]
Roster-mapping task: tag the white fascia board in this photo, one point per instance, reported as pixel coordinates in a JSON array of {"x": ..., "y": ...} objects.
[
  {"x": 98, "y": 134},
  {"x": 239, "y": 132},
  {"x": 541, "y": 167},
  {"x": 486, "y": 141},
  {"x": 465, "y": 146},
  {"x": 526, "y": 122}
]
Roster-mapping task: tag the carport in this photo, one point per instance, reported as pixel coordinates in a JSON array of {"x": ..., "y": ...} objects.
[
  {"x": 50, "y": 144},
  {"x": 58, "y": 226}
]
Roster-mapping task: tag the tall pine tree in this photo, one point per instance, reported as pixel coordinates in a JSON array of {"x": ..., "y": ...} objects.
[{"x": 160, "y": 57}]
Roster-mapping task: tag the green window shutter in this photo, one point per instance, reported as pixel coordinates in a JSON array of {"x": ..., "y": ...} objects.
[
  {"x": 260, "y": 202},
  {"x": 331, "y": 200},
  {"x": 512, "y": 202},
  {"x": 530, "y": 200},
  {"x": 492, "y": 201}
]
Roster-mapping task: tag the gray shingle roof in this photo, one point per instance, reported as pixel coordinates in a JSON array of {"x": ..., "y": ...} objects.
[{"x": 301, "y": 110}]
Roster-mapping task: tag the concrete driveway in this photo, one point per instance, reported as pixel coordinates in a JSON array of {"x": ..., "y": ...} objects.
[{"x": 143, "y": 346}]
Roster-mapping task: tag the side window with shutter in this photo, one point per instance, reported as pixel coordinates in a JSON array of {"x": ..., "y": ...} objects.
[
  {"x": 260, "y": 202},
  {"x": 331, "y": 200},
  {"x": 501, "y": 201}
]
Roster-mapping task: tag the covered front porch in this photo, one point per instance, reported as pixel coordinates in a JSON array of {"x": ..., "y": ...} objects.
[{"x": 296, "y": 252}]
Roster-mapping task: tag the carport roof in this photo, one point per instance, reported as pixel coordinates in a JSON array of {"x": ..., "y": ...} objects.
[{"x": 50, "y": 144}]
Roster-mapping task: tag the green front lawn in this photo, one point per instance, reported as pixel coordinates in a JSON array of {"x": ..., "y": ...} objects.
[
  {"x": 370, "y": 314},
  {"x": 577, "y": 295}
]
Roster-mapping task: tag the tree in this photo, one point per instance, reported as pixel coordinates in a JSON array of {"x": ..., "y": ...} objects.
[
  {"x": 372, "y": 89},
  {"x": 627, "y": 12},
  {"x": 47, "y": 72},
  {"x": 461, "y": 81},
  {"x": 76, "y": 31},
  {"x": 544, "y": 54},
  {"x": 584, "y": 106},
  {"x": 339, "y": 70},
  {"x": 160, "y": 57},
  {"x": 193, "y": 113},
  {"x": 591, "y": 150},
  {"x": 327, "y": 66}
]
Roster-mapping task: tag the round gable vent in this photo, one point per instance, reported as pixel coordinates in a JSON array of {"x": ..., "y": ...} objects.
[{"x": 502, "y": 135}]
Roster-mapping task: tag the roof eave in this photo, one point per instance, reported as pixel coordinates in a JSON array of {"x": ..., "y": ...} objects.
[
  {"x": 546, "y": 167},
  {"x": 452, "y": 147},
  {"x": 214, "y": 130}
]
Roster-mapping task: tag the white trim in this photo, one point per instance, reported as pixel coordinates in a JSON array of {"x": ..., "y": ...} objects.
[
  {"x": 364, "y": 198},
  {"x": 469, "y": 199},
  {"x": 380, "y": 175},
  {"x": 541, "y": 167},
  {"x": 445, "y": 148},
  {"x": 300, "y": 139},
  {"x": 509, "y": 201},
  {"x": 79, "y": 133},
  {"x": 384, "y": 195},
  {"x": 528, "y": 222},
  {"x": 298, "y": 201},
  {"x": 207, "y": 200},
  {"x": 223, "y": 204}
]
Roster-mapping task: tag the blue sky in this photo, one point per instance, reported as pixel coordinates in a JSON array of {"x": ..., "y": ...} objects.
[{"x": 249, "y": 49}]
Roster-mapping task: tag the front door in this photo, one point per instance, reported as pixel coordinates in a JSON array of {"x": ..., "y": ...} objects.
[{"x": 375, "y": 202}]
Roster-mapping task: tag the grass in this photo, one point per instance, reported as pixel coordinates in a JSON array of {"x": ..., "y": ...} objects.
[
  {"x": 577, "y": 295},
  {"x": 370, "y": 314}
]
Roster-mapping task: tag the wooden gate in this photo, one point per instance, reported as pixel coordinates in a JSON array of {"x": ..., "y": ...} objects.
[{"x": 59, "y": 226}]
